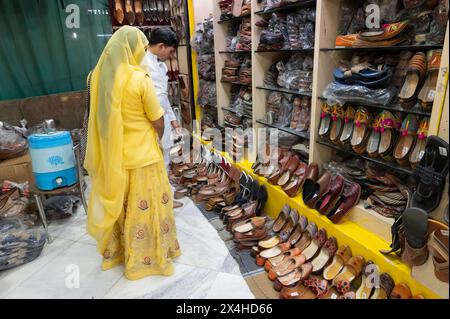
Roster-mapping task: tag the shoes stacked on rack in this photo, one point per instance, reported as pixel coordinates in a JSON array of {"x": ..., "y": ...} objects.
[
  {"x": 237, "y": 70},
  {"x": 137, "y": 12},
  {"x": 241, "y": 100},
  {"x": 419, "y": 22},
  {"x": 245, "y": 36},
  {"x": 226, "y": 9},
  {"x": 301, "y": 115},
  {"x": 296, "y": 74},
  {"x": 305, "y": 263},
  {"x": 274, "y": 35}
]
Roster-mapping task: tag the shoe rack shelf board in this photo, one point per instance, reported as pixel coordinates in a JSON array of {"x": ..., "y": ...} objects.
[{"x": 347, "y": 232}]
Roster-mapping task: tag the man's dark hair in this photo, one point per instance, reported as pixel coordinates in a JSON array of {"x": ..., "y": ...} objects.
[{"x": 163, "y": 35}]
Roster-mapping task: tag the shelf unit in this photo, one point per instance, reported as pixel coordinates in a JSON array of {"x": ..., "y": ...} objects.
[{"x": 366, "y": 230}]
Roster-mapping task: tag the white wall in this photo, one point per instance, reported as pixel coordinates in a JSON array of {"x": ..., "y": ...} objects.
[{"x": 202, "y": 9}]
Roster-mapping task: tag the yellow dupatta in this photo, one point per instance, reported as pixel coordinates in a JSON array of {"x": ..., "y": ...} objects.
[{"x": 104, "y": 155}]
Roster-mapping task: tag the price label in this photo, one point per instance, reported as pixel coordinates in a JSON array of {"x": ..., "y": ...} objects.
[
  {"x": 294, "y": 294},
  {"x": 405, "y": 150},
  {"x": 421, "y": 154},
  {"x": 359, "y": 140},
  {"x": 431, "y": 95},
  {"x": 442, "y": 151}
]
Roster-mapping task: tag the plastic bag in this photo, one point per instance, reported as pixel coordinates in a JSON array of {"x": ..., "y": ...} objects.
[
  {"x": 341, "y": 94},
  {"x": 57, "y": 207},
  {"x": 19, "y": 244},
  {"x": 12, "y": 142},
  {"x": 285, "y": 116}
]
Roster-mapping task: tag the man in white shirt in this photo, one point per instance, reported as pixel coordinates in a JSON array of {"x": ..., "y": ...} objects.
[{"x": 162, "y": 46}]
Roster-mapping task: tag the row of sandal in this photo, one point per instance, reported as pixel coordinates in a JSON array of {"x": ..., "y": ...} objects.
[
  {"x": 384, "y": 135},
  {"x": 304, "y": 263}
]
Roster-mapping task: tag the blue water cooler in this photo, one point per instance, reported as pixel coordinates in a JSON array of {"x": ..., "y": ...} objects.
[{"x": 53, "y": 160}]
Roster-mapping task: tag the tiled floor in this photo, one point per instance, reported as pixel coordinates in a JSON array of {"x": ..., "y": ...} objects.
[{"x": 205, "y": 269}]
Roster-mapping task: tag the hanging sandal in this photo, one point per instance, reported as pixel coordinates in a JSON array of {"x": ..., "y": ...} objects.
[
  {"x": 419, "y": 148},
  {"x": 428, "y": 91},
  {"x": 407, "y": 140},
  {"x": 361, "y": 130}
]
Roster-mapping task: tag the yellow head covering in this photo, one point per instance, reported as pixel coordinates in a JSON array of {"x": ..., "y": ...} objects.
[{"x": 104, "y": 155}]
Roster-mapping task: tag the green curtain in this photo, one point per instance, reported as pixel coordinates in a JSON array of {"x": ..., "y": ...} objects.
[{"x": 40, "y": 55}]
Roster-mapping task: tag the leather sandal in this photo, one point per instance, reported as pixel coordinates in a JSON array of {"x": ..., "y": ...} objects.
[
  {"x": 129, "y": 13},
  {"x": 419, "y": 148},
  {"x": 328, "y": 200},
  {"x": 373, "y": 141},
  {"x": 341, "y": 257},
  {"x": 415, "y": 73},
  {"x": 281, "y": 219},
  {"x": 280, "y": 259},
  {"x": 415, "y": 223},
  {"x": 118, "y": 11},
  {"x": 290, "y": 280},
  {"x": 298, "y": 176},
  {"x": 139, "y": 13},
  {"x": 360, "y": 135},
  {"x": 313, "y": 191},
  {"x": 347, "y": 130},
  {"x": 307, "y": 236},
  {"x": 427, "y": 93},
  {"x": 365, "y": 289},
  {"x": 438, "y": 247},
  {"x": 325, "y": 121},
  {"x": 385, "y": 288},
  {"x": 389, "y": 133},
  {"x": 350, "y": 198},
  {"x": 296, "y": 234},
  {"x": 337, "y": 123},
  {"x": 431, "y": 174},
  {"x": 325, "y": 255},
  {"x": 287, "y": 267},
  {"x": 317, "y": 242},
  {"x": 407, "y": 140},
  {"x": 351, "y": 270}
]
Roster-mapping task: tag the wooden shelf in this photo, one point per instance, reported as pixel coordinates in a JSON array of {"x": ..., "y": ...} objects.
[
  {"x": 283, "y": 90},
  {"x": 234, "y": 19},
  {"x": 388, "y": 48},
  {"x": 229, "y": 109},
  {"x": 233, "y": 52},
  {"x": 394, "y": 166},
  {"x": 303, "y": 135},
  {"x": 236, "y": 83},
  {"x": 395, "y": 107},
  {"x": 287, "y": 8},
  {"x": 287, "y": 51}
]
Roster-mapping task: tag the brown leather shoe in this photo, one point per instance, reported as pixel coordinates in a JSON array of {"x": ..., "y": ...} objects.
[
  {"x": 347, "y": 201},
  {"x": 129, "y": 13},
  {"x": 328, "y": 200},
  {"x": 312, "y": 191},
  {"x": 281, "y": 219},
  {"x": 250, "y": 224},
  {"x": 401, "y": 291},
  {"x": 254, "y": 235}
]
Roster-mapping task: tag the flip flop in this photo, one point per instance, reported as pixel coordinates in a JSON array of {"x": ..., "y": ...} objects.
[
  {"x": 431, "y": 174},
  {"x": 407, "y": 140},
  {"x": 361, "y": 130},
  {"x": 415, "y": 224},
  {"x": 325, "y": 121},
  {"x": 317, "y": 242},
  {"x": 365, "y": 289},
  {"x": 351, "y": 270},
  {"x": 341, "y": 257},
  {"x": 337, "y": 124},
  {"x": 414, "y": 75},
  {"x": 385, "y": 288},
  {"x": 428, "y": 91},
  {"x": 419, "y": 148},
  {"x": 326, "y": 253}
]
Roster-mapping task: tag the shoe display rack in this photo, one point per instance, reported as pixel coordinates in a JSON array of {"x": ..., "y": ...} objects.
[{"x": 364, "y": 230}]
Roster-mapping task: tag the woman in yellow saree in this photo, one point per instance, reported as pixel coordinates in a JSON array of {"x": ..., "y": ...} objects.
[{"x": 130, "y": 211}]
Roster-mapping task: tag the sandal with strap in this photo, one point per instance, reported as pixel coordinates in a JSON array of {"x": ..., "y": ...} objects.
[
  {"x": 414, "y": 75},
  {"x": 431, "y": 174},
  {"x": 325, "y": 121},
  {"x": 337, "y": 124},
  {"x": 428, "y": 91},
  {"x": 419, "y": 148},
  {"x": 407, "y": 140},
  {"x": 438, "y": 247},
  {"x": 389, "y": 128},
  {"x": 347, "y": 130},
  {"x": 361, "y": 130}
]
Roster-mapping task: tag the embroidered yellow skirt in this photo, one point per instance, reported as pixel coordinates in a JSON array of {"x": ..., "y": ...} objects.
[{"x": 144, "y": 238}]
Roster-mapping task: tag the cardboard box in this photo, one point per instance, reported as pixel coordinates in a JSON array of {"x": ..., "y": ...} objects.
[{"x": 17, "y": 169}]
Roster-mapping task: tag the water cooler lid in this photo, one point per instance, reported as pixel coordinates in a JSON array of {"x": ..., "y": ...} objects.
[{"x": 53, "y": 139}]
